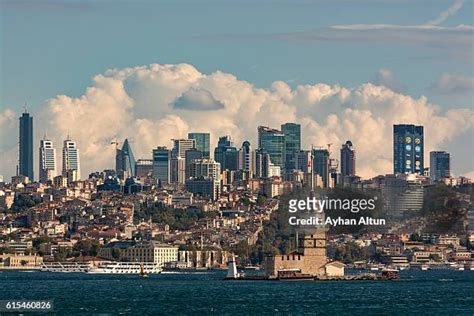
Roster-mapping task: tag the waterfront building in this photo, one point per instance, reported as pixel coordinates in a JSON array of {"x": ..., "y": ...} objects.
[
  {"x": 292, "y": 145},
  {"x": 143, "y": 168},
  {"x": 181, "y": 145},
  {"x": 226, "y": 154},
  {"x": 203, "y": 143},
  {"x": 26, "y": 146},
  {"x": 140, "y": 251},
  {"x": 125, "y": 161},
  {"x": 321, "y": 164},
  {"x": 272, "y": 141},
  {"x": 439, "y": 165},
  {"x": 348, "y": 160},
  {"x": 71, "y": 162},
  {"x": 162, "y": 164},
  {"x": 408, "y": 146},
  {"x": 47, "y": 161}
]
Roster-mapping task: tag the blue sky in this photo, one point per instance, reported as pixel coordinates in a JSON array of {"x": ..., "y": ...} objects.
[{"x": 55, "y": 47}]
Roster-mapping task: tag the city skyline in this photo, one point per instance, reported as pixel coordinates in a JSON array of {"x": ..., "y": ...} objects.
[
  {"x": 151, "y": 100},
  {"x": 280, "y": 146}
]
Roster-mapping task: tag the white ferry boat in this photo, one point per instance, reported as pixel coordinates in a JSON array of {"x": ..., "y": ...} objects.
[
  {"x": 127, "y": 268},
  {"x": 65, "y": 267}
]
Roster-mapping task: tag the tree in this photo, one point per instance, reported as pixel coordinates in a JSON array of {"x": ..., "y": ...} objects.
[{"x": 23, "y": 263}]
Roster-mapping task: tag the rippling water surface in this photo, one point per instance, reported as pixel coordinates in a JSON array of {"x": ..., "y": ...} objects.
[{"x": 418, "y": 292}]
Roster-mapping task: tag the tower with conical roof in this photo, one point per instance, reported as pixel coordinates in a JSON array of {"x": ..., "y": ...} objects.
[{"x": 125, "y": 161}]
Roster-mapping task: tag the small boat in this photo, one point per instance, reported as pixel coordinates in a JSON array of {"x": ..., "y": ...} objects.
[
  {"x": 389, "y": 274},
  {"x": 294, "y": 275},
  {"x": 424, "y": 267},
  {"x": 142, "y": 272}
]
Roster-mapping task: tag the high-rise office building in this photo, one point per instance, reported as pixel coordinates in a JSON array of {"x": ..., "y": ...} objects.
[
  {"x": 439, "y": 165},
  {"x": 125, "y": 161},
  {"x": 190, "y": 156},
  {"x": 408, "y": 146},
  {"x": 206, "y": 168},
  {"x": 348, "y": 159},
  {"x": 71, "y": 163},
  {"x": 292, "y": 145},
  {"x": 143, "y": 168},
  {"x": 303, "y": 161},
  {"x": 178, "y": 170},
  {"x": 162, "y": 164},
  {"x": 203, "y": 143},
  {"x": 47, "y": 161},
  {"x": 26, "y": 146},
  {"x": 226, "y": 154},
  {"x": 321, "y": 165},
  {"x": 181, "y": 145},
  {"x": 272, "y": 141},
  {"x": 246, "y": 158},
  {"x": 262, "y": 164}
]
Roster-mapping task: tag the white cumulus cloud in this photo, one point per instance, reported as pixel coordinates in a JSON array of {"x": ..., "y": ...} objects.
[{"x": 138, "y": 103}]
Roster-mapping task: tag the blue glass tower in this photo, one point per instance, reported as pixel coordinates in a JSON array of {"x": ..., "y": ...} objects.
[
  {"x": 408, "y": 146},
  {"x": 292, "y": 147},
  {"x": 203, "y": 143},
  {"x": 26, "y": 146},
  {"x": 273, "y": 142}
]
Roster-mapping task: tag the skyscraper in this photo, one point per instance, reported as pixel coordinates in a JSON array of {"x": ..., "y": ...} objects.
[
  {"x": 190, "y": 156},
  {"x": 439, "y": 165},
  {"x": 71, "y": 164},
  {"x": 321, "y": 164},
  {"x": 203, "y": 143},
  {"x": 408, "y": 146},
  {"x": 273, "y": 142},
  {"x": 26, "y": 146},
  {"x": 292, "y": 146},
  {"x": 181, "y": 145},
  {"x": 348, "y": 160},
  {"x": 246, "y": 158},
  {"x": 47, "y": 161},
  {"x": 162, "y": 164},
  {"x": 226, "y": 154},
  {"x": 125, "y": 161}
]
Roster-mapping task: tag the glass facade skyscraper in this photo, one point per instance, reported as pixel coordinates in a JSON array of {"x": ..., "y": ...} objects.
[
  {"x": 124, "y": 160},
  {"x": 226, "y": 154},
  {"x": 321, "y": 164},
  {"x": 203, "y": 143},
  {"x": 292, "y": 147},
  {"x": 162, "y": 164},
  {"x": 348, "y": 159},
  {"x": 439, "y": 165},
  {"x": 273, "y": 142},
  {"x": 408, "y": 146},
  {"x": 26, "y": 146}
]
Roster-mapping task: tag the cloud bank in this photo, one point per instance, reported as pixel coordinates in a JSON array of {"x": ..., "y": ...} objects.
[{"x": 152, "y": 104}]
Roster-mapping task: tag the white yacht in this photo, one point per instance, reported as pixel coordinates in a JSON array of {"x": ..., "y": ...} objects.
[{"x": 127, "y": 268}]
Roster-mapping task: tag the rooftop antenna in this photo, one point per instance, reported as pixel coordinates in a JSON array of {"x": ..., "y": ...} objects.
[{"x": 25, "y": 108}]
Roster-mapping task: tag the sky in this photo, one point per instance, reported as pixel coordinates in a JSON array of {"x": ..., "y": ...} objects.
[{"x": 146, "y": 70}]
